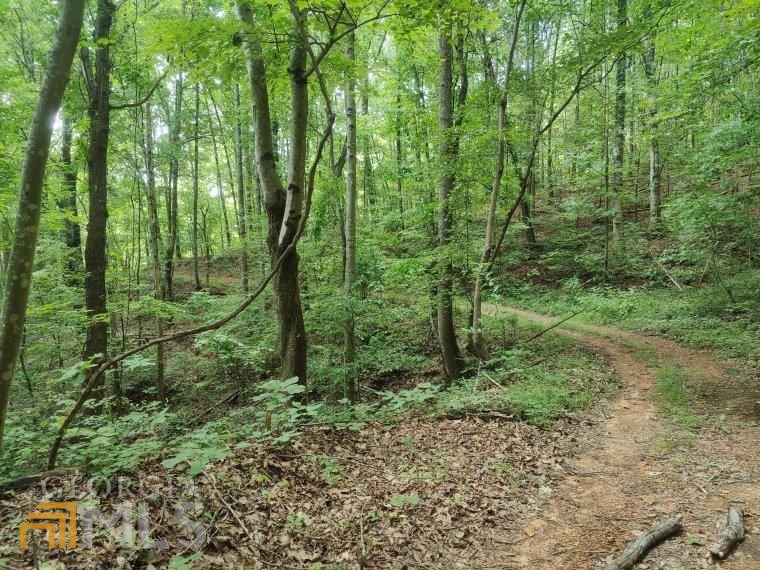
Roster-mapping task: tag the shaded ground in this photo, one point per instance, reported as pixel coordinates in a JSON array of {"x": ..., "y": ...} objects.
[{"x": 465, "y": 493}]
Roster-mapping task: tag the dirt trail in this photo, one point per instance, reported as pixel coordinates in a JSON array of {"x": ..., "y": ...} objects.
[{"x": 634, "y": 468}]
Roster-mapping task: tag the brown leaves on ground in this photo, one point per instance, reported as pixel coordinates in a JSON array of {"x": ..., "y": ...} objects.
[{"x": 423, "y": 493}]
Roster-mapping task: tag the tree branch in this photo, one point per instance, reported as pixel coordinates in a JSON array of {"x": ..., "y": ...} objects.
[{"x": 144, "y": 100}]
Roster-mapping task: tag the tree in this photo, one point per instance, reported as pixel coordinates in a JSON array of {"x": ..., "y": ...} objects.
[
  {"x": 98, "y": 83},
  {"x": 447, "y": 338},
  {"x": 283, "y": 208},
  {"x": 19, "y": 273},
  {"x": 154, "y": 245},
  {"x": 68, "y": 205},
  {"x": 619, "y": 129},
  {"x": 349, "y": 278}
]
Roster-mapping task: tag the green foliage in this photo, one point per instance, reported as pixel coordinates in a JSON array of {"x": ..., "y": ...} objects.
[
  {"x": 705, "y": 316},
  {"x": 675, "y": 395},
  {"x": 179, "y": 562},
  {"x": 199, "y": 448}
]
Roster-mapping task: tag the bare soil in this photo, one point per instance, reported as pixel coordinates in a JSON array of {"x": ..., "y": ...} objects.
[{"x": 635, "y": 468}]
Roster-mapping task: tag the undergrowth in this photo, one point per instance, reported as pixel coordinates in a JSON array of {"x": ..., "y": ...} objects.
[
  {"x": 535, "y": 381},
  {"x": 724, "y": 316}
]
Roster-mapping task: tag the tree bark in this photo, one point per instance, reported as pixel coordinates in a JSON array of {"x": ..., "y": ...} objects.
[
  {"x": 154, "y": 245},
  {"x": 96, "y": 343},
  {"x": 283, "y": 208},
  {"x": 730, "y": 533},
  {"x": 349, "y": 279},
  {"x": 655, "y": 164},
  {"x": 619, "y": 131},
  {"x": 72, "y": 234},
  {"x": 452, "y": 360},
  {"x": 644, "y": 542},
  {"x": 172, "y": 202},
  {"x": 19, "y": 272},
  {"x": 240, "y": 184},
  {"x": 196, "y": 182}
]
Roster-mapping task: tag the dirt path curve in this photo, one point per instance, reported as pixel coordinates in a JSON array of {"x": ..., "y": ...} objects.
[{"x": 635, "y": 467}]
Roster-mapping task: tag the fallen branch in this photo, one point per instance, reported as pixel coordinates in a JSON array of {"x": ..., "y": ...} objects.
[
  {"x": 554, "y": 326},
  {"x": 29, "y": 480},
  {"x": 482, "y": 415},
  {"x": 644, "y": 542},
  {"x": 235, "y": 515},
  {"x": 210, "y": 409},
  {"x": 676, "y": 283},
  {"x": 730, "y": 533}
]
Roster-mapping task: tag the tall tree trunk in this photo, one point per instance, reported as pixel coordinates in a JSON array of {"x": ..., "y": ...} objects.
[
  {"x": 350, "y": 226},
  {"x": 368, "y": 181},
  {"x": 399, "y": 160},
  {"x": 283, "y": 207},
  {"x": 172, "y": 202},
  {"x": 217, "y": 165},
  {"x": 655, "y": 164},
  {"x": 96, "y": 343},
  {"x": 452, "y": 360},
  {"x": 154, "y": 245},
  {"x": 240, "y": 184},
  {"x": 474, "y": 340},
  {"x": 196, "y": 183},
  {"x": 19, "y": 270},
  {"x": 619, "y": 131},
  {"x": 72, "y": 235},
  {"x": 550, "y": 183}
]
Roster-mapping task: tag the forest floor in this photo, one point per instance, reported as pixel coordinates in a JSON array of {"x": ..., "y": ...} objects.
[{"x": 469, "y": 492}]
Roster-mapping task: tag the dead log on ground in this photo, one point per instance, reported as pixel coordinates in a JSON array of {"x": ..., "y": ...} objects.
[
  {"x": 644, "y": 542},
  {"x": 730, "y": 533},
  {"x": 30, "y": 480}
]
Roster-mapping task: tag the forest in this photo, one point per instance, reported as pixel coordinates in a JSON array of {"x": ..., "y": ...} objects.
[{"x": 341, "y": 284}]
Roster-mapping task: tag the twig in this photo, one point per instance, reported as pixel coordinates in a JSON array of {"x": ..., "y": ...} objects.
[
  {"x": 221, "y": 402},
  {"x": 669, "y": 275},
  {"x": 234, "y": 514},
  {"x": 554, "y": 326}
]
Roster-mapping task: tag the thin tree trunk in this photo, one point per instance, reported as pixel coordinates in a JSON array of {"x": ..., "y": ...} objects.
[
  {"x": 172, "y": 202},
  {"x": 474, "y": 340},
  {"x": 154, "y": 245},
  {"x": 655, "y": 164},
  {"x": 96, "y": 343},
  {"x": 283, "y": 208},
  {"x": 240, "y": 183},
  {"x": 196, "y": 183},
  {"x": 350, "y": 225},
  {"x": 549, "y": 147},
  {"x": 619, "y": 131},
  {"x": 368, "y": 182},
  {"x": 68, "y": 205},
  {"x": 452, "y": 360},
  {"x": 218, "y": 169},
  {"x": 399, "y": 161},
  {"x": 19, "y": 275}
]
